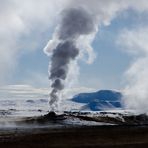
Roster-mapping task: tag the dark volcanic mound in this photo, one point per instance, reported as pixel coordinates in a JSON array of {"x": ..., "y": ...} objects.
[{"x": 104, "y": 117}]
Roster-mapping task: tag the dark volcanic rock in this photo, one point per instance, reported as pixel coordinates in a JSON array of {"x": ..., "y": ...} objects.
[
  {"x": 105, "y": 117},
  {"x": 141, "y": 119},
  {"x": 30, "y": 101},
  {"x": 51, "y": 116},
  {"x": 43, "y": 100}
]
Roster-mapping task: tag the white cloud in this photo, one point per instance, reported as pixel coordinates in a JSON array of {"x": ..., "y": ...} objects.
[{"x": 135, "y": 40}]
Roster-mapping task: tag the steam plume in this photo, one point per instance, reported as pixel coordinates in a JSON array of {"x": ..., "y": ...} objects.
[
  {"x": 75, "y": 23},
  {"x": 76, "y": 31}
]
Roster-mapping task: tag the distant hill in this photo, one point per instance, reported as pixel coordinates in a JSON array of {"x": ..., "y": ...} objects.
[{"x": 100, "y": 100}]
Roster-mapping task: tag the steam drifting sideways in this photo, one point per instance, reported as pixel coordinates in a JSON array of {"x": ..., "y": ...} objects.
[{"x": 75, "y": 22}]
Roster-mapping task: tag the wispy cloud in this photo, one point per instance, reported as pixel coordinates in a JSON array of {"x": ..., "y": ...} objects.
[{"x": 22, "y": 92}]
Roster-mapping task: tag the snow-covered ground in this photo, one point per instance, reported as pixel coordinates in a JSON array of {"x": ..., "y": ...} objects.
[{"x": 25, "y": 101}]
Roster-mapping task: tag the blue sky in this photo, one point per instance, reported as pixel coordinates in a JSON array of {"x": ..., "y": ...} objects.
[{"x": 107, "y": 70}]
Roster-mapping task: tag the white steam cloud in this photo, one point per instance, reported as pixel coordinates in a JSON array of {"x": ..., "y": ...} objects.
[
  {"x": 135, "y": 42},
  {"x": 75, "y": 34}
]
